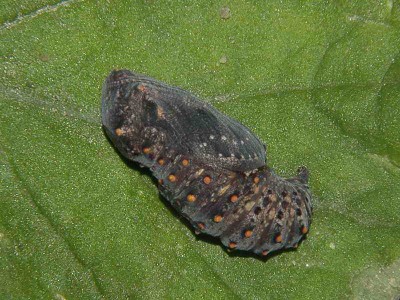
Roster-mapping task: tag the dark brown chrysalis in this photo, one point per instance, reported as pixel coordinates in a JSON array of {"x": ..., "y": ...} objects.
[{"x": 211, "y": 168}]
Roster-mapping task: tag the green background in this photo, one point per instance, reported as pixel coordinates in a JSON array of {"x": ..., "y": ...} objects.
[{"x": 318, "y": 81}]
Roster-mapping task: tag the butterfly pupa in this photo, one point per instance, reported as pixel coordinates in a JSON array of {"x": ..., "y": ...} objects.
[{"x": 211, "y": 168}]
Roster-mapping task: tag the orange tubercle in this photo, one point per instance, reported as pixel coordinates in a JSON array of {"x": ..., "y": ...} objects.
[
  {"x": 172, "y": 178},
  {"x": 248, "y": 233},
  {"x": 191, "y": 198},
  {"x": 278, "y": 238},
  {"x": 207, "y": 179},
  {"x": 233, "y": 198},
  {"x": 119, "y": 131},
  {"x": 141, "y": 88},
  {"x": 232, "y": 245},
  {"x": 217, "y": 218}
]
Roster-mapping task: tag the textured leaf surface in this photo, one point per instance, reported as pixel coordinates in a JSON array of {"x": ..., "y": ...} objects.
[{"x": 319, "y": 82}]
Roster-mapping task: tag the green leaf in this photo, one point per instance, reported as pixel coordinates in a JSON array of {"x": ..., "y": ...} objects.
[{"x": 318, "y": 81}]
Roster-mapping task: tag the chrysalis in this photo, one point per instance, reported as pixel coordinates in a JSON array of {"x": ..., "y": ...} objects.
[{"x": 210, "y": 167}]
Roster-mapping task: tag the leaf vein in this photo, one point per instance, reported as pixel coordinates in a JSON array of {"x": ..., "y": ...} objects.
[
  {"x": 31, "y": 195},
  {"x": 36, "y": 13}
]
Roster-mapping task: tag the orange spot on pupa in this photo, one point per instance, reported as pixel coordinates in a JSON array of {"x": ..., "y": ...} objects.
[
  {"x": 146, "y": 150},
  {"x": 185, "y": 162},
  {"x": 191, "y": 198},
  {"x": 160, "y": 181},
  {"x": 304, "y": 229},
  {"x": 171, "y": 177},
  {"x": 161, "y": 161},
  {"x": 201, "y": 225},
  {"x": 207, "y": 179},
  {"x": 234, "y": 198},
  {"x": 248, "y": 233},
  {"x": 217, "y": 218},
  {"x": 119, "y": 131},
  {"x": 265, "y": 253},
  {"x": 141, "y": 88},
  {"x": 278, "y": 238},
  {"x": 232, "y": 245},
  {"x": 256, "y": 179}
]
